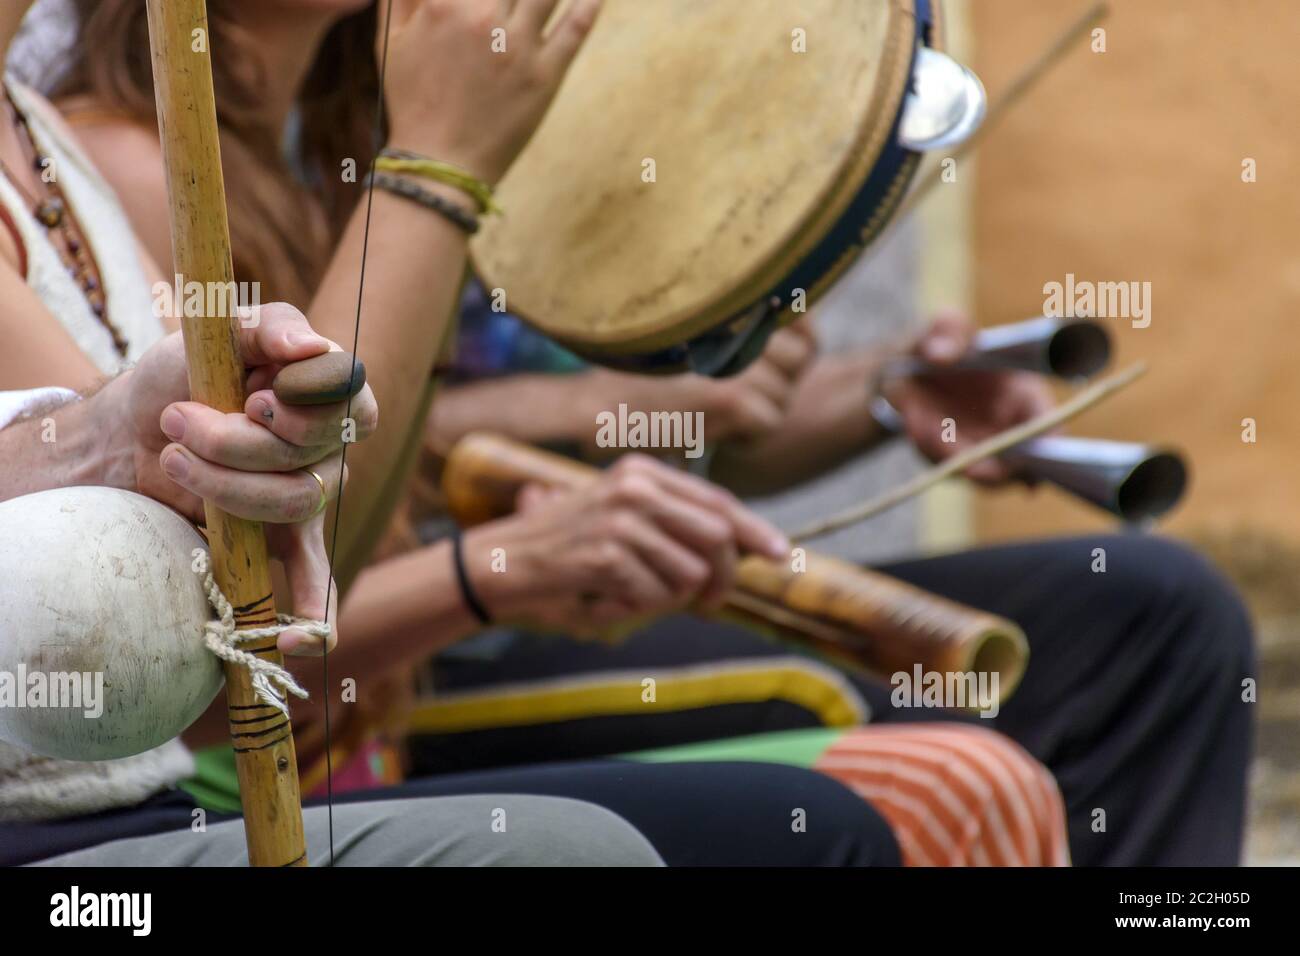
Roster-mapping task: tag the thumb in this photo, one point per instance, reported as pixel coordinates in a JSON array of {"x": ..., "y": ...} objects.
[
  {"x": 278, "y": 334},
  {"x": 949, "y": 338}
]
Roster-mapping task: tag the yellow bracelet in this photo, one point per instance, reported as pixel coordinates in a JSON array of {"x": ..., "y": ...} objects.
[{"x": 395, "y": 161}]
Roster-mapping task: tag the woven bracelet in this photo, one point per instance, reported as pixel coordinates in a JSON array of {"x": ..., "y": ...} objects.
[
  {"x": 401, "y": 161},
  {"x": 462, "y": 218}
]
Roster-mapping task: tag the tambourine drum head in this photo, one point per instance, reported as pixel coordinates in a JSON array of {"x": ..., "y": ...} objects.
[{"x": 693, "y": 159}]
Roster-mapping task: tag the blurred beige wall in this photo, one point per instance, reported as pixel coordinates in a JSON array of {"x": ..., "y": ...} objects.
[{"x": 1127, "y": 165}]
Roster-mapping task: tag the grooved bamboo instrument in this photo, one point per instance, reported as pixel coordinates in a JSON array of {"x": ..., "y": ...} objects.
[
  {"x": 861, "y": 618},
  {"x": 187, "y": 120}
]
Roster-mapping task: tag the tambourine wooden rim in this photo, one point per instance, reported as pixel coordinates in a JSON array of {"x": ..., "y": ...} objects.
[{"x": 842, "y": 220}]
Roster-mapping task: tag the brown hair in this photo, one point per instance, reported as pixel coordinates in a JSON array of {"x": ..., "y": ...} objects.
[
  {"x": 284, "y": 218},
  {"x": 282, "y": 230}
]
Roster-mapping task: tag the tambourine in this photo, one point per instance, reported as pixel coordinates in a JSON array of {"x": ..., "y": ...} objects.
[{"x": 711, "y": 167}]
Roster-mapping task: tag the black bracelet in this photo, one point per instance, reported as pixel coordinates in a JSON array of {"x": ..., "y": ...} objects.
[
  {"x": 458, "y": 216},
  {"x": 462, "y": 578}
]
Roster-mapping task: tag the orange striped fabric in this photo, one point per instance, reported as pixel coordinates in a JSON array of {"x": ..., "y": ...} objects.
[{"x": 954, "y": 794}]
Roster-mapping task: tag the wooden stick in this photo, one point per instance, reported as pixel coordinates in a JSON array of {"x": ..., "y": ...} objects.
[
  {"x": 187, "y": 120},
  {"x": 1012, "y": 94},
  {"x": 997, "y": 444}
]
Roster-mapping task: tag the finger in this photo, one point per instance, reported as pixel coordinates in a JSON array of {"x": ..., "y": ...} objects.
[
  {"x": 923, "y": 403},
  {"x": 991, "y": 471},
  {"x": 533, "y": 15},
  {"x": 751, "y": 533},
  {"x": 948, "y": 339},
  {"x": 314, "y": 595},
  {"x": 762, "y": 414},
  {"x": 756, "y": 413},
  {"x": 279, "y": 498},
  {"x": 772, "y": 382},
  {"x": 534, "y": 496},
  {"x": 926, "y": 434},
  {"x": 698, "y": 527},
  {"x": 1032, "y": 396},
  {"x": 682, "y": 571},
  {"x": 277, "y": 333},
  {"x": 261, "y": 378},
  {"x": 234, "y": 441},
  {"x": 790, "y": 351},
  {"x": 738, "y": 410},
  {"x": 314, "y": 425},
  {"x": 636, "y": 585},
  {"x": 609, "y": 570},
  {"x": 570, "y": 31},
  {"x": 806, "y": 325}
]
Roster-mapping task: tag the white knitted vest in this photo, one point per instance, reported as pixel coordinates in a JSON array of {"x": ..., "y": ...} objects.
[
  {"x": 40, "y": 788},
  {"x": 109, "y": 237}
]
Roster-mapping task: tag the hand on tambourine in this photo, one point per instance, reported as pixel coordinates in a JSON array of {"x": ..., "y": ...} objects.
[
  {"x": 459, "y": 92},
  {"x": 754, "y": 402},
  {"x": 250, "y": 463},
  {"x": 642, "y": 541},
  {"x": 980, "y": 403}
]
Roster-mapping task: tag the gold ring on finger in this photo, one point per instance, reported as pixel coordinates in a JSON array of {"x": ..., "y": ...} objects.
[{"x": 324, "y": 498}]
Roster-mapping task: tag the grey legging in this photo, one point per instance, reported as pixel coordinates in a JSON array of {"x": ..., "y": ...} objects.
[{"x": 479, "y": 830}]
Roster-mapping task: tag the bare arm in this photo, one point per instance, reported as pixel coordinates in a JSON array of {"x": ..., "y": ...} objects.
[
  {"x": 644, "y": 541},
  {"x": 563, "y": 408},
  {"x": 414, "y": 266},
  {"x": 404, "y": 310},
  {"x": 477, "y": 111},
  {"x": 87, "y": 447},
  {"x": 557, "y": 409},
  {"x": 782, "y": 422},
  {"x": 37, "y": 351}
]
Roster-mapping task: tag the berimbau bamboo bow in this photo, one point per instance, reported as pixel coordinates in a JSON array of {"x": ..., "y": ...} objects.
[{"x": 187, "y": 121}]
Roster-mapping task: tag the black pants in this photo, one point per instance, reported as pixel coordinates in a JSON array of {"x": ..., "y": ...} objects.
[
  {"x": 707, "y": 813},
  {"x": 1133, "y": 696},
  {"x": 701, "y": 814}
]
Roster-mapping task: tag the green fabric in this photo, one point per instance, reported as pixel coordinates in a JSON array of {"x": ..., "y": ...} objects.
[
  {"x": 215, "y": 784},
  {"x": 799, "y": 748}
]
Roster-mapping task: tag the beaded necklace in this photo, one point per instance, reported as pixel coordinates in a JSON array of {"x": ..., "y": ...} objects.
[{"x": 66, "y": 235}]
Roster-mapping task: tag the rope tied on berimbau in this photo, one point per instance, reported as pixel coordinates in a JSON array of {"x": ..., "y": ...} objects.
[{"x": 271, "y": 681}]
